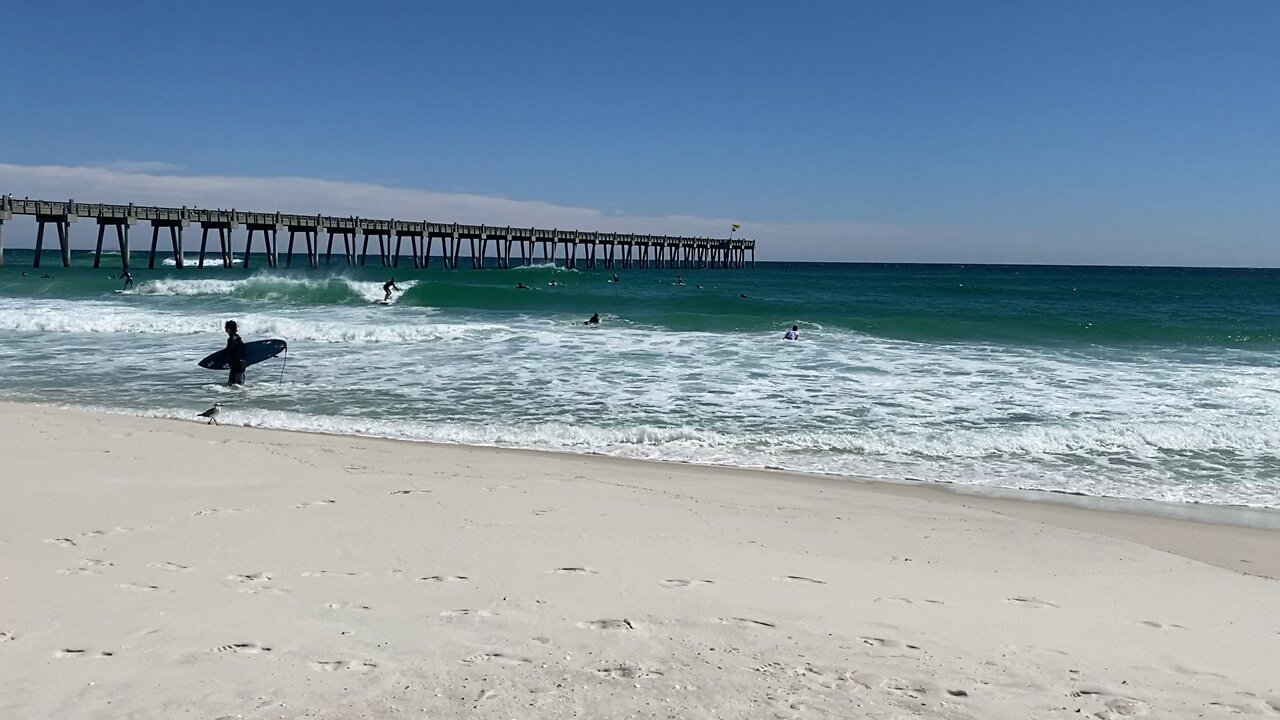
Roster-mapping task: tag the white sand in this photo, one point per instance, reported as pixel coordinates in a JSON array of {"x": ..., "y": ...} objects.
[{"x": 160, "y": 569}]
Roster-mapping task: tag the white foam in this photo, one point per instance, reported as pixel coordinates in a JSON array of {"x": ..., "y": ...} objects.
[
  {"x": 710, "y": 447},
  {"x": 546, "y": 266},
  {"x": 202, "y": 286},
  {"x": 1154, "y": 424},
  {"x": 111, "y": 319},
  {"x": 373, "y": 292}
]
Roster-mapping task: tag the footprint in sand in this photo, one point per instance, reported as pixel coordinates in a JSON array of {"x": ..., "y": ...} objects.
[
  {"x": 213, "y": 511},
  {"x": 74, "y": 653},
  {"x": 627, "y": 671},
  {"x": 345, "y": 606},
  {"x": 1030, "y": 602},
  {"x": 608, "y": 624},
  {"x": 881, "y": 642},
  {"x": 7, "y": 637},
  {"x": 254, "y": 583},
  {"x": 1189, "y": 672},
  {"x": 327, "y": 573},
  {"x": 443, "y": 578},
  {"x": 137, "y": 587},
  {"x": 262, "y": 590},
  {"x": 1160, "y": 626},
  {"x": 251, "y": 578},
  {"x": 87, "y": 567},
  {"x": 169, "y": 566},
  {"x": 341, "y": 665},
  {"x": 909, "y": 601},
  {"x": 911, "y": 690},
  {"x": 681, "y": 583},
  {"x": 745, "y": 622},
  {"x": 242, "y": 648},
  {"x": 802, "y": 579},
  {"x": 496, "y": 657},
  {"x": 407, "y": 492},
  {"x": 465, "y": 612},
  {"x": 573, "y": 571},
  {"x": 100, "y": 533},
  {"x": 486, "y": 694},
  {"x": 317, "y": 503},
  {"x": 61, "y": 542}
]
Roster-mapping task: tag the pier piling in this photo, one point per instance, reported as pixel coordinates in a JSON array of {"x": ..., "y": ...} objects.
[{"x": 5, "y": 214}]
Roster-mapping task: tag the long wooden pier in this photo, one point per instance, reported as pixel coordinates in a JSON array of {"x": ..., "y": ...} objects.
[{"x": 599, "y": 249}]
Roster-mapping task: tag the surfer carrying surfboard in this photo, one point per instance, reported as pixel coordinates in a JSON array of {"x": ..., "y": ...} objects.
[{"x": 235, "y": 348}]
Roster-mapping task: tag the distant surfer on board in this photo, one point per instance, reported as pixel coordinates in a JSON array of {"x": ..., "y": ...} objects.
[
  {"x": 235, "y": 348},
  {"x": 595, "y": 319},
  {"x": 387, "y": 287},
  {"x": 128, "y": 279}
]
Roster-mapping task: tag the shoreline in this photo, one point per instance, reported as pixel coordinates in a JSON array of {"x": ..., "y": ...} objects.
[
  {"x": 1261, "y": 517},
  {"x": 156, "y": 567},
  {"x": 1183, "y": 529}
]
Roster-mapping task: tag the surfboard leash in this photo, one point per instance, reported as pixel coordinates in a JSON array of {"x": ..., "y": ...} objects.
[{"x": 283, "y": 362}]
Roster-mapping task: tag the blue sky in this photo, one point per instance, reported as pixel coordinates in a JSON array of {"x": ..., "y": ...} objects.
[{"x": 1084, "y": 132}]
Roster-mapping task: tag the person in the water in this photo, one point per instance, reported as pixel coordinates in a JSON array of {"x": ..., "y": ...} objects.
[
  {"x": 387, "y": 287},
  {"x": 793, "y": 333},
  {"x": 235, "y": 347},
  {"x": 595, "y": 319},
  {"x": 128, "y": 279}
]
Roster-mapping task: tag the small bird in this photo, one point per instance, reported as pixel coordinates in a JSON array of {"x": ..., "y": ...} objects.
[{"x": 212, "y": 414}]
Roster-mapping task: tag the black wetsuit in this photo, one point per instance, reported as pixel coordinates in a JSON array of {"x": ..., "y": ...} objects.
[{"x": 235, "y": 346}]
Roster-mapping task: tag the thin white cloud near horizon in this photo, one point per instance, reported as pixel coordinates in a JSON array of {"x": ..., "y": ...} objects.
[{"x": 156, "y": 183}]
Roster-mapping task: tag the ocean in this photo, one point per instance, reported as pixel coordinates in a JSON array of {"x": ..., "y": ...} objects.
[{"x": 1154, "y": 383}]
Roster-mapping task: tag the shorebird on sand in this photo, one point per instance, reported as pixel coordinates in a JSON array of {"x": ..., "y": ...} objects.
[{"x": 212, "y": 414}]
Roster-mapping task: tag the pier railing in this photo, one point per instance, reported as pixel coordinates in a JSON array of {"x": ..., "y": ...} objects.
[{"x": 599, "y": 249}]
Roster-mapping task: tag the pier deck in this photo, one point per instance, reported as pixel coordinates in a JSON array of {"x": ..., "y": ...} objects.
[{"x": 599, "y": 249}]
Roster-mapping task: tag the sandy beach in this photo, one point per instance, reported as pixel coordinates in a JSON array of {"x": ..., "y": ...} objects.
[{"x": 160, "y": 568}]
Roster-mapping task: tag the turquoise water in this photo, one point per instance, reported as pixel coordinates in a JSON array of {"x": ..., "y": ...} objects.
[{"x": 1131, "y": 382}]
